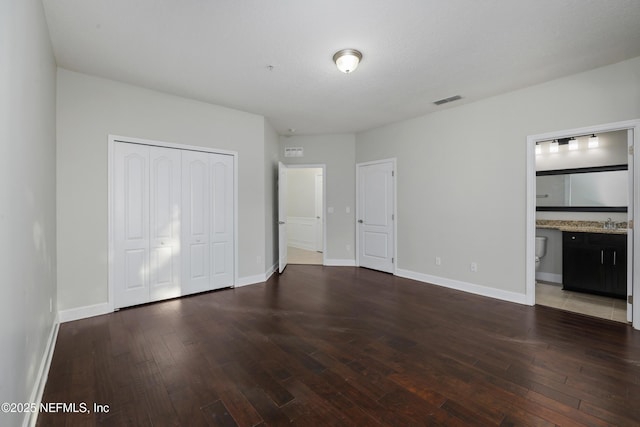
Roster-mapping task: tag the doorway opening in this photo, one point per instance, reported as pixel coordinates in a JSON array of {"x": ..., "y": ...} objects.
[
  {"x": 304, "y": 220},
  {"x": 580, "y": 248}
]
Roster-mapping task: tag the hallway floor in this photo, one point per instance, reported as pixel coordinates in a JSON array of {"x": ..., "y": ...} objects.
[{"x": 302, "y": 256}]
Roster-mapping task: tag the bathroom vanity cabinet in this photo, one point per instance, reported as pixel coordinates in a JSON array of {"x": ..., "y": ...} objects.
[{"x": 595, "y": 263}]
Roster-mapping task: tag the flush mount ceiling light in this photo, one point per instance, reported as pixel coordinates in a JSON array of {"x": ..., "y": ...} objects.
[{"x": 347, "y": 60}]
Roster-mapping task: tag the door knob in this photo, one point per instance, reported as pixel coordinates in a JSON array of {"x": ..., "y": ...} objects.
[
  {"x": 317, "y": 217},
  {"x": 360, "y": 221},
  {"x": 281, "y": 222}
]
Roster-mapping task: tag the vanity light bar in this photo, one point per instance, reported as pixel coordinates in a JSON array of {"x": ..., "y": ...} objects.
[{"x": 574, "y": 144}]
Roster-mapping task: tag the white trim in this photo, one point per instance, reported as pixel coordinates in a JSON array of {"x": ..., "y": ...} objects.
[
  {"x": 155, "y": 143},
  {"x": 531, "y": 204},
  {"x": 251, "y": 280},
  {"x": 110, "y": 238},
  {"x": 30, "y": 418},
  {"x": 394, "y": 162},
  {"x": 548, "y": 277},
  {"x": 340, "y": 262},
  {"x": 463, "y": 286},
  {"x": 84, "y": 312},
  {"x": 322, "y": 166},
  {"x": 270, "y": 271}
]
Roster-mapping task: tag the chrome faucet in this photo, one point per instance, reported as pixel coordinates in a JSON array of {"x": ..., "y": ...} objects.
[{"x": 609, "y": 224}]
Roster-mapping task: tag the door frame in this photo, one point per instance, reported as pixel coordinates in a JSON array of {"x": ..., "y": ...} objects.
[
  {"x": 634, "y": 245},
  {"x": 322, "y": 166},
  {"x": 112, "y": 139},
  {"x": 394, "y": 163}
]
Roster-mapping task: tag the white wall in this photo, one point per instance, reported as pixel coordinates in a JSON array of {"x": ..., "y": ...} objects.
[
  {"x": 462, "y": 172},
  {"x": 91, "y": 108},
  {"x": 27, "y": 200},
  {"x": 337, "y": 152},
  {"x": 301, "y": 195},
  {"x": 270, "y": 190}
]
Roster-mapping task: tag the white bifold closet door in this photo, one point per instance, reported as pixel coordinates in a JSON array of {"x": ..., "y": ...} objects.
[
  {"x": 207, "y": 200},
  {"x": 173, "y": 222},
  {"x": 147, "y": 223}
]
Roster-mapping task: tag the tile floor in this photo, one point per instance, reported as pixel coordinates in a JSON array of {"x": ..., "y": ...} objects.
[
  {"x": 552, "y": 295},
  {"x": 301, "y": 256}
]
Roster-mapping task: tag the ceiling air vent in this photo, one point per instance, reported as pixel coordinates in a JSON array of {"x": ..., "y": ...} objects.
[
  {"x": 445, "y": 100},
  {"x": 293, "y": 152}
]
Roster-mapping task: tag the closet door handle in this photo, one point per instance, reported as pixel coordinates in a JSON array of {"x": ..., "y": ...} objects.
[
  {"x": 601, "y": 256},
  {"x": 614, "y": 257}
]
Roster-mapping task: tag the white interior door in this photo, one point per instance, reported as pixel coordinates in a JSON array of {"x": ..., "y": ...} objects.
[
  {"x": 376, "y": 245},
  {"x": 222, "y": 250},
  {"x": 319, "y": 214},
  {"x": 282, "y": 217},
  {"x": 164, "y": 223},
  {"x": 196, "y": 190},
  {"x": 131, "y": 224}
]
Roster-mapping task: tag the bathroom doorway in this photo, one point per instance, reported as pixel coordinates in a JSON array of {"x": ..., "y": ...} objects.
[
  {"x": 582, "y": 151},
  {"x": 305, "y": 214}
]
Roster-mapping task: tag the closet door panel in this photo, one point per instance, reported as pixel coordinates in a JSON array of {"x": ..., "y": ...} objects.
[
  {"x": 196, "y": 190},
  {"x": 164, "y": 218},
  {"x": 131, "y": 224},
  {"x": 222, "y": 228}
]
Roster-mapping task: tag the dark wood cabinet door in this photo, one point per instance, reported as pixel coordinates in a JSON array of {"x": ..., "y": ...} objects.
[{"x": 595, "y": 263}]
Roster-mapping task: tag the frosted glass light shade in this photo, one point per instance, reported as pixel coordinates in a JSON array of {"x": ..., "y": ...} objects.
[
  {"x": 593, "y": 141},
  {"x": 573, "y": 144},
  {"x": 347, "y": 60},
  {"x": 554, "y": 147}
]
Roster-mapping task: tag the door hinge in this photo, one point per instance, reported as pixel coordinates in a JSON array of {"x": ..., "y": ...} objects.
[
  {"x": 630, "y": 299},
  {"x": 393, "y": 173},
  {"x": 393, "y": 217},
  {"x": 393, "y": 260},
  {"x": 631, "y": 150}
]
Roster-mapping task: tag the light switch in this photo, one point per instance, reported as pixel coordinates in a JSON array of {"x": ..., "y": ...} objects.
[{"x": 348, "y": 209}]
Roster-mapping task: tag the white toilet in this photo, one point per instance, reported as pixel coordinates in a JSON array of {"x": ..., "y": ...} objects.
[{"x": 541, "y": 249}]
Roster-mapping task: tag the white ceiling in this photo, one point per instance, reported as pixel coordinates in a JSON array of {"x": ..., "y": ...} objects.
[{"x": 415, "y": 51}]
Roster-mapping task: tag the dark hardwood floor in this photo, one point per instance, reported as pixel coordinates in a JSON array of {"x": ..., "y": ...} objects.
[{"x": 322, "y": 346}]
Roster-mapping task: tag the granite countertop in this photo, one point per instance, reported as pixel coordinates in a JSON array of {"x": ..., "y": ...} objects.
[{"x": 581, "y": 226}]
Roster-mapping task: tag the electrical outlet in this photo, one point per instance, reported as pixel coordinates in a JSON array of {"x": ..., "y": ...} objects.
[
  {"x": 474, "y": 267},
  {"x": 438, "y": 260}
]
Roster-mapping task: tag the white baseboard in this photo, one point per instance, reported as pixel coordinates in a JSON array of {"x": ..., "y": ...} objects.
[
  {"x": 340, "y": 262},
  {"x": 270, "y": 271},
  {"x": 84, "y": 312},
  {"x": 548, "y": 277},
  {"x": 463, "y": 286},
  {"x": 251, "y": 280},
  {"x": 30, "y": 418}
]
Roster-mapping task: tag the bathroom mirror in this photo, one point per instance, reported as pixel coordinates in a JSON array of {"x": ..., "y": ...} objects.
[{"x": 599, "y": 189}]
